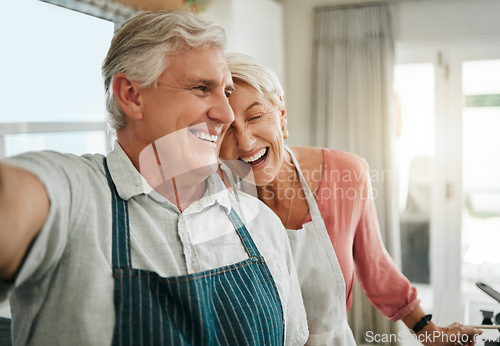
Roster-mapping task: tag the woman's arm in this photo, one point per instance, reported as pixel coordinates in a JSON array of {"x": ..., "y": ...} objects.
[
  {"x": 24, "y": 206},
  {"x": 431, "y": 334},
  {"x": 389, "y": 290}
]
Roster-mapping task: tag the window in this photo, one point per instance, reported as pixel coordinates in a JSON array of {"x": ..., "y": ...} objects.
[
  {"x": 414, "y": 88},
  {"x": 459, "y": 130},
  {"x": 52, "y": 89},
  {"x": 481, "y": 171}
]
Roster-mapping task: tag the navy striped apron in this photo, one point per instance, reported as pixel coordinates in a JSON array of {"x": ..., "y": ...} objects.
[{"x": 236, "y": 304}]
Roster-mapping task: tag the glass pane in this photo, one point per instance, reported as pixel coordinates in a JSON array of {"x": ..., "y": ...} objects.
[
  {"x": 77, "y": 143},
  {"x": 481, "y": 175},
  {"x": 481, "y": 77},
  {"x": 414, "y": 89},
  {"x": 51, "y": 63},
  {"x": 415, "y": 103}
]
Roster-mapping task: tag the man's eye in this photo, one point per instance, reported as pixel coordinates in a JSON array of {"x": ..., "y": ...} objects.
[
  {"x": 201, "y": 88},
  {"x": 228, "y": 93}
]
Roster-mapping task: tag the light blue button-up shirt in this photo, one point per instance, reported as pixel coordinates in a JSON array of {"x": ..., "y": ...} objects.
[{"x": 63, "y": 293}]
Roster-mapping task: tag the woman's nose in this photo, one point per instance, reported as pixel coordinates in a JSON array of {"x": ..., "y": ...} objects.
[{"x": 245, "y": 140}]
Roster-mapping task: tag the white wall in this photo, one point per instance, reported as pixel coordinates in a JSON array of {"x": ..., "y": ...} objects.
[
  {"x": 253, "y": 27},
  {"x": 415, "y": 22},
  {"x": 419, "y": 22}
]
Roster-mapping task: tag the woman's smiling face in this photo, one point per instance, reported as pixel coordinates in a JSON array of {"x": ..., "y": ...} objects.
[{"x": 255, "y": 136}]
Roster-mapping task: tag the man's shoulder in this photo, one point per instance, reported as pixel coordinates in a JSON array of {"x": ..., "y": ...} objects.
[
  {"x": 52, "y": 168},
  {"x": 55, "y": 159},
  {"x": 258, "y": 214}
]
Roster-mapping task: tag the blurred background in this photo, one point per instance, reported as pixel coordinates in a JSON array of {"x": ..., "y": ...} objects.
[{"x": 413, "y": 86}]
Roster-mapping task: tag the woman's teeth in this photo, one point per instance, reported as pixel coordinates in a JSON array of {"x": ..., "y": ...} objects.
[
  {"x": 206, "y": 136},
  {"x": 256, "y": 156}
]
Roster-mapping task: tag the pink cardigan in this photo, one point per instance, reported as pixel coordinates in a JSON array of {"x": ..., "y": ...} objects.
[{"x": 345, "y": 202}]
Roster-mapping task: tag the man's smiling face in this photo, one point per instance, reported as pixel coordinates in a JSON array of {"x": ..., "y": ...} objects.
[{"x": 188, "y": 111}]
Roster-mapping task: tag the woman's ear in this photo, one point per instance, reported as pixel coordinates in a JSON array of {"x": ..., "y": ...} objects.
[
  {"x": 127, "y": 93},
  {"x": 282, "y": 110},
  {"x": 283, "y": 116}
]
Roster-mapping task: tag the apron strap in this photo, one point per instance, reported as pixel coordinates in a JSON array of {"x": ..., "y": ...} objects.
[
  {"x": 121, "y": 230},
  {"x": 311, "y": 202},
  {"x": 245, "y": 237}
]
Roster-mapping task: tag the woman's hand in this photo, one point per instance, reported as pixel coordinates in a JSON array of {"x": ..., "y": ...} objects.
[{"x": 454, "y": 334}]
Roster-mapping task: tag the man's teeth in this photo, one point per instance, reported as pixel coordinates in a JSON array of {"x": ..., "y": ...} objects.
[
  {"x": 256, "y": 156},
  {"x": 206, "y": 136}
]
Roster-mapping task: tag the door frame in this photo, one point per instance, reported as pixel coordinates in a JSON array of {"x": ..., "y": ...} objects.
[{"x": 447, "y": 195}]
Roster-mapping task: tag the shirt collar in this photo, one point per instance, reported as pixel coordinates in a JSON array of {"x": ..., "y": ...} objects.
[
  {"x": 129, "y": 183},
  {"x": 216, "y": 193},
  {"x": 127, "y": 179}
]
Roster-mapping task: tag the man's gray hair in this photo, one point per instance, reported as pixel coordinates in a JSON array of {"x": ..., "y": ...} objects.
[
  {"x": 141, "y": 47},
  {"x": 247, "y": 69}
]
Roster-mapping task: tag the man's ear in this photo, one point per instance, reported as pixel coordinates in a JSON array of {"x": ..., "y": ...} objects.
[{"x": 127, "y": 93}]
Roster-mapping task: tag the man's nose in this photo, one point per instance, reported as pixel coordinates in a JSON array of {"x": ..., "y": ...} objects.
[{"x": 221, "y": 111}]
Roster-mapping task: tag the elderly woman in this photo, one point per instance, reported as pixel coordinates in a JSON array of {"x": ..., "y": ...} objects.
[{"x": 324, "y": 198}]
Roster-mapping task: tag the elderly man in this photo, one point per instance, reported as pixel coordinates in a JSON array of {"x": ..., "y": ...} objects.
[{"x": 145, "y": 245}]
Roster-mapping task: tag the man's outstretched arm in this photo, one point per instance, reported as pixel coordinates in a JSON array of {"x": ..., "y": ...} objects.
[{"x": 24, "y": 206}]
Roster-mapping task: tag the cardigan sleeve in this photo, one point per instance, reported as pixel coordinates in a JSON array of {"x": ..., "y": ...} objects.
[{"x": 383, "y": 283}]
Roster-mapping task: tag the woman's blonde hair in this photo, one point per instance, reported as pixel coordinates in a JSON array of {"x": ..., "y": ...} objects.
[{"x": 246, "y": 69}]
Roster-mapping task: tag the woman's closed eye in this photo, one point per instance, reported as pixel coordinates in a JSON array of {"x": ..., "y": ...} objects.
[{"x": 255, "y": 117}]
